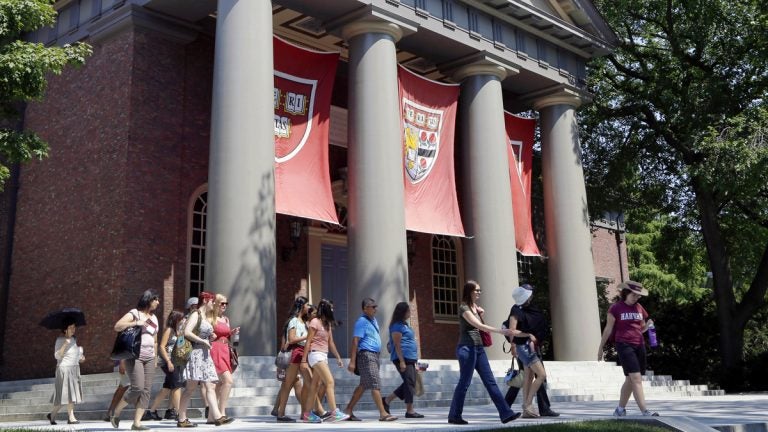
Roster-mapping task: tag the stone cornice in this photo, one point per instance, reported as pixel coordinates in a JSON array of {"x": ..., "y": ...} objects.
[
  {"x": 371, "y": 19},
  {"x": 557, "y": 95},
  {"x": 479, "y": 64},
  {"x": 133, "y": 16}
]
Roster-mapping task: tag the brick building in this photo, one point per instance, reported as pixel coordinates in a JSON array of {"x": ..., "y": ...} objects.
[{"x": 122, "y": 203}]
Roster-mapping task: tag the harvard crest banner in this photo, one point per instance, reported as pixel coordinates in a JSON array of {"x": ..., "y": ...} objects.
[
  {"x": 428, "y": 115},
  {"x": 520, "y": 136},
  {"x": 302, "y": 102}
]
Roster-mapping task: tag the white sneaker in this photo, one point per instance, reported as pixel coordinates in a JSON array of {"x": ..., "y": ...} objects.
[
  {"x": 619, "y": 412},
  {"x": 650, "y": 413}
]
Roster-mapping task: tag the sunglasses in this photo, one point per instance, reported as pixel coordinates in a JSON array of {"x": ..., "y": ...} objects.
[{"x": 224, "y": 303}]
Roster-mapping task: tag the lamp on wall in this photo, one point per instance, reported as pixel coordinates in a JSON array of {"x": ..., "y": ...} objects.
[
  {"x": 295, "y": 227},
  {"x": 410, "y": 239}
]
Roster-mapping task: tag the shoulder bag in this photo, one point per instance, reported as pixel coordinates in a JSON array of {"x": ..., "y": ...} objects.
[
  {"x": 127, "y": 343},
  {"x": 183, "y": 347}
]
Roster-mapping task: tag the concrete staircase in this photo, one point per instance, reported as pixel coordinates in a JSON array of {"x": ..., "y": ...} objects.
[{"x": 256, "y": 387}]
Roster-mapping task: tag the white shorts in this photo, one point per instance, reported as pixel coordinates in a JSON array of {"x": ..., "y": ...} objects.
[{"x": 316, "y": 357}]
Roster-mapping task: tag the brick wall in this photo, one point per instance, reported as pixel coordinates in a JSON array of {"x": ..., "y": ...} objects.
[
  {"x": 610, "y": 260},
  {"x": 106, "y": 215}
]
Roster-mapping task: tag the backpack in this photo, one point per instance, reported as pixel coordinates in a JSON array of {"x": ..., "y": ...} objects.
[{"x": 183, "y": 347}]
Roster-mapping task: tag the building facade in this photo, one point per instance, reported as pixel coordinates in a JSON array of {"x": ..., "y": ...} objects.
[{"x": 161, "y": 170}]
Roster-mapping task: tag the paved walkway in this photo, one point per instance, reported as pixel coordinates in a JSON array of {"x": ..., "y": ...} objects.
[{"x": 709, "y": 410}]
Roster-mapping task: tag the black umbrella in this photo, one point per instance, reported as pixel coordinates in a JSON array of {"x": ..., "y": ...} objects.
[{"x": 56, "y": 320}]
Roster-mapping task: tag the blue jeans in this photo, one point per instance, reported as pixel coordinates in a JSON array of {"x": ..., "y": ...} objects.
[{"x": 473, "y": 358}]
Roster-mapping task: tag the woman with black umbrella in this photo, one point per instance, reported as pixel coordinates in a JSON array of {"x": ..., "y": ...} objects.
[{"x": 67, "y": 387}]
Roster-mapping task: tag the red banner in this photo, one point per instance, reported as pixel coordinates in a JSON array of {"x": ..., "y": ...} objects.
[
  {"x": 520, "y": 136},
  {"x": 428, "y": 115},
  {"x": 303, "y": 85}
]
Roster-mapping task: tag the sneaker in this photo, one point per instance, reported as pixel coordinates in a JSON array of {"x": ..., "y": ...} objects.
[
  {"x": 311, "y": 418},
  {"x": 185, "y": 424},
  {"x": 650, "y": 413},
  {"x": 115, "y": 421},
  {"x": 619, "y": 412},
  {"x": 285, "y": 419},
  {"x": 171, "y": 414},
  {"x": 274, "y": 412},
  {"x": 147, "y": 416},
  {"x": 325, "y": 416},
  {"x": 154, "y": 416},
  {"x": 549, "y": 413},
  {"x": 338, "y": 415}
]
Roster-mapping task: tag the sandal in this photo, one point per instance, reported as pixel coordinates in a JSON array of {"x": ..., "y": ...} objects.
[{"x": 387, "y": 418}]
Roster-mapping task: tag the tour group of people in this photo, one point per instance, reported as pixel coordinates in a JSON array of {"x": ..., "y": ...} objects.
[{"x": 307, "y": 338}]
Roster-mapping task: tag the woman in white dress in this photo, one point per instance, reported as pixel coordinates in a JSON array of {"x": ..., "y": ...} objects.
[
  {"x": 67, "y": 388},
  {"x": 200, "y": 368}
]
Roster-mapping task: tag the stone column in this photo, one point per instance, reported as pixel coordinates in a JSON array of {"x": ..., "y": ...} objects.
[
  {"x": 573, "y": 293},
  {"x": 378, "y": 259},
  {"x": 490, "y": 253},
  {"x": 240, "y": 259}
]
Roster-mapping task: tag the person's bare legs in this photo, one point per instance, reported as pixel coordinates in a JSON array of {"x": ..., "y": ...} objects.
[
  {"x": 291, "y": 378},
  {"x": 535, "y": 370},
  {"x": 223, "y": 388},
  {"x": 636, "y": 384},
  {"x": 186, "y": 395},
  {"x": 213, "y": 404},
  {"x": 159, "y": 398},
  {"x": 356, "y": 395}
]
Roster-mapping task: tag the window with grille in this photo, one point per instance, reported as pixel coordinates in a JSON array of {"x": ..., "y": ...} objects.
[
  {"x": 197, "y": 246},
  {"x": 524, "y": 268},
  {"x": 445, "y": 277}
]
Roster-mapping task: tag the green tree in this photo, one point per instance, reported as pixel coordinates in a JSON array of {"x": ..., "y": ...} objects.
[
  {"x": 23, "y": 69},
  {"x": 677, "y": 127}
]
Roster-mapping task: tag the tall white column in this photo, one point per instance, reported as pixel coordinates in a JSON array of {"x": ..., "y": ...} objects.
[
  {"x": 240, "y": 255},
  {"x": 490, "y": 254},
  {"x": 573, "y": 293},
  {"x": 378, "y": 259}
]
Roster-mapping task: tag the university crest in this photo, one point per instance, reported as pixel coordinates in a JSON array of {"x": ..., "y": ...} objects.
[
  {"x": 421, "y": 136},
  {"x": 294, "y": 104}
]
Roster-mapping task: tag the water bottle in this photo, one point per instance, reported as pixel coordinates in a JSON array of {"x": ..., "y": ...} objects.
[{"x": 652, "y": 336}]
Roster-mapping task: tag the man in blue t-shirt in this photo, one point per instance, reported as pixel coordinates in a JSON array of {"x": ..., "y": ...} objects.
[{"x": 364, "y": 360}]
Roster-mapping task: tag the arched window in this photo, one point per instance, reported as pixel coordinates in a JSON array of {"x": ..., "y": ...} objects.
[
  {"x": 445, "y": 277},
  {"x": 197, "y": 243}
]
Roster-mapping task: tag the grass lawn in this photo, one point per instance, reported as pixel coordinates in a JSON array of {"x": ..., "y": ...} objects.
[{"x": 593, "y": 426}]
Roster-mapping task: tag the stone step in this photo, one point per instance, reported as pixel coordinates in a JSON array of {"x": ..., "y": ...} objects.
[{"x": 256, "y": 388}]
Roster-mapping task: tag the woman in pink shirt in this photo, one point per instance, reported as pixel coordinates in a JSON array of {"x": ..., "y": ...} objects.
[
  {"x": 627, "y": 321},
  {"x": 319, "y": 342}
]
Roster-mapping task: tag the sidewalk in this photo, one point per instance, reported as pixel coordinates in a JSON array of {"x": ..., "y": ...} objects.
[{"x": 709, "y": 410}]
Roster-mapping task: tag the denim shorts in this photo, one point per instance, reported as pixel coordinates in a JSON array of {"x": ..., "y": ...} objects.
[{"x": 526, "y": 355}]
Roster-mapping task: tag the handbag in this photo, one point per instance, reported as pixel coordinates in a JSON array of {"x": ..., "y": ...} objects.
[
  {"x": 127, "y": 344},
  {"x": 234, "y": 358},
  {"x": 514, "y": 376},
  {"x": 283, "y": 359},
  {"x": 419, "y": 387},
  {"x": 485, "y": 336}
]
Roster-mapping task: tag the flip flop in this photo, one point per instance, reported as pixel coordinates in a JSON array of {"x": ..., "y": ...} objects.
[
  {"x": 354, "y": 418},
  {"x": 388, "y": 418}
]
